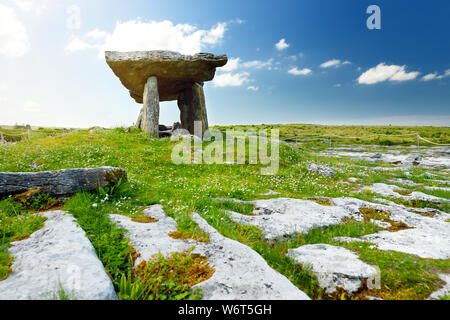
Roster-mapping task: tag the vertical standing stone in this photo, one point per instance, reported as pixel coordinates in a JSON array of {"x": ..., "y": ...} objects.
[
  {"x": 192, "y": 105},
  {"x": 150, "y": 118},
  {"x": 139, "y": 120}
]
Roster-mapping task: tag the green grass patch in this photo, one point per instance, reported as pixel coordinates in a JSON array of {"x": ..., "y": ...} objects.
[
  {"x": 167, "y": 278},
  {"x": 112, "y": 246},
  {"x": 403, "y": 276}
]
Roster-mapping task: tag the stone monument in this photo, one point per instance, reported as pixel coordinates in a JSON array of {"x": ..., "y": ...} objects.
[{"x": 154, "y": 76}]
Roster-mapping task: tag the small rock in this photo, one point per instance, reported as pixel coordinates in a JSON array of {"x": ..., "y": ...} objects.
[
  {"x": 377, "y": 156},
  {"x": 35, "y": 165},
  {"x": 321, "y": 170}
]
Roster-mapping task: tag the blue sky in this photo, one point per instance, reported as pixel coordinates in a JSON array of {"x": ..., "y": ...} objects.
[{"x": 290, "y": 61}]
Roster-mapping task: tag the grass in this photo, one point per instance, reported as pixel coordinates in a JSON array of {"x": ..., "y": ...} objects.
[
  {"x": 183, "y": 189},
  {"x": 109, "y": 241},
  {"x": 403, "y": 276},
  {"x": 167, "y": 278}
]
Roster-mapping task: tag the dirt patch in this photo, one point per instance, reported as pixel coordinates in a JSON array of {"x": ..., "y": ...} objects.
[
  {"x": 403, "y": 192},
  {"x": 371, "y": 213},
  {"x": 322, "y": 201},
  {"x": 178, "y": 235},
  {"x": 182, "y": 270},
  {"x": 144, "y": 219}
]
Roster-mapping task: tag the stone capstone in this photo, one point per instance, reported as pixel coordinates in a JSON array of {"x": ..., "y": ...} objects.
[{"x": 175, "y": 72}]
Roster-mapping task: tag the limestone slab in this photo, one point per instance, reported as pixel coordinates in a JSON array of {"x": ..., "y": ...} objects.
[
  {"x": 241, "y": 273},
  {"x": 335, "y": 267},
  {"x": 58, "y": 256}
]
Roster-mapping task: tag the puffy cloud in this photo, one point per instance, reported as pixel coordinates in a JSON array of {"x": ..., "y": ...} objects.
[
  {"x": 225, "y": 77},
  {"x": 296, "y": 72},
  {"x": 282, "y": 45},
  {"x": 136, "y": 35},
  {"x": 231, "y": 79},
  {"x": 232, "y": 64},
  {"x": 14, "y": 40},
  {"x": 383, "y": 72},
  {"x": 334, "y": 63}
]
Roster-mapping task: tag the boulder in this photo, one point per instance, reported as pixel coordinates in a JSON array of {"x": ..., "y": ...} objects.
[
  {"x": 60, "y": 183},
  {"x": 335, "y": 267},
  {"x": 321, "y": 170},
  {"x": 175, "y": 72}
]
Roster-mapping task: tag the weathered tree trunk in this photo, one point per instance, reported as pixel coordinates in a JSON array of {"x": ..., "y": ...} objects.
[
  {"x": 60, "y": 183},
  {"x": 151, "y": 108},
  {"x": 192, "y": 105}
]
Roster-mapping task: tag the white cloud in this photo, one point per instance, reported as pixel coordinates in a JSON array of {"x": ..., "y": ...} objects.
[
  {"x": 253, "y": 88},
  {"x": 282, "y": 45},
  {"x": 136, "y": 35},
  {"x": 257, "y": 64},
  {"x": 77, "y": 44},
  {"x": 383, "y": 72},
  {"x": 296, "y": 72},
  {"x": 337, "y": 85},
  {"x": 36, "y": 6},
  {"x": 433, "y": 76},
  {"x": 14, "y": 40},
  {"x": 235, "y": 63},
  {"x": 430, "y": 76},
  {"x": 232, "y": 64},
  {"x": 331, "y": 63},
  {"x": 334, "y": 63},
  {"x": 445, "y": 75},
  {"x": 231, "y": 79}
]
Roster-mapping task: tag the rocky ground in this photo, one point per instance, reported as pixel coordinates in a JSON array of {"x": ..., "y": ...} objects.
[{"x": 404, "y": 213}]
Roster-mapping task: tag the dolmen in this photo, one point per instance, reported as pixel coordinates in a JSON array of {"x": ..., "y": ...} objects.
[{"x": 156, "y": 76}]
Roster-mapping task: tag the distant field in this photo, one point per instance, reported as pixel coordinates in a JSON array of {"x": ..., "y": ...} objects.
[
  {"x": 17, "y": 133},
  {"x": 439, "y": 135}
]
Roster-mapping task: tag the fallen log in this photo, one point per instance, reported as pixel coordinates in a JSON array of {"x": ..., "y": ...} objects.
[{"x": 60, "y": 183}]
